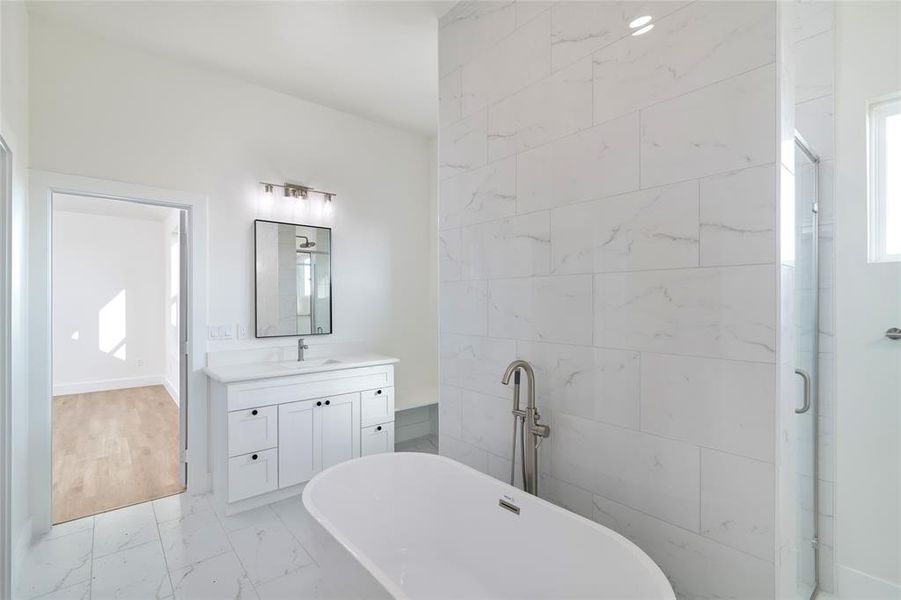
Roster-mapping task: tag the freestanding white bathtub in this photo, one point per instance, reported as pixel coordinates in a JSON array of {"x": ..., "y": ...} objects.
[{"x": 426, "y": 526}]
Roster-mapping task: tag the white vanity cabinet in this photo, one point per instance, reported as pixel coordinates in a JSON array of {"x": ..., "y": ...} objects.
[{"x": 275, "y": 429}]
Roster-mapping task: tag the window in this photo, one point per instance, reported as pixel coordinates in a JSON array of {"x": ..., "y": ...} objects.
[{"x": 884, "y": 179}]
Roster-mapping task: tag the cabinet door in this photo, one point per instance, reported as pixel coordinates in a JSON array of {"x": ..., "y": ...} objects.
[
  {"x": 300, "y": 442},
  {"x": 340, "y": 429}
]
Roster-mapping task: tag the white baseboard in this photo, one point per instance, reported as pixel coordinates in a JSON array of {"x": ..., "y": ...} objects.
[
  {"x": 851, "y": 583},
  {"x": 173, "y": 391},
  {"x": 85, "y": 387}
]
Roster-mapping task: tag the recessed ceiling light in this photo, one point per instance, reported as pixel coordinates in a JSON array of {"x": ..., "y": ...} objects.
[
  {"x": 640, "y": 22},
  {"x": 643, "y": 30}
]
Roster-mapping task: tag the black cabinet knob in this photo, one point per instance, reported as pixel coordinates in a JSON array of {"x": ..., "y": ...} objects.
[
  {"x": 319, "y": 404},
  {"x": 254, "y": 412},
  {"x": 379, "y": 428},
  {"x": 379, "y": 393},
  {"x": 327, "y": 402},
  {"x": 255, "y": 456}
]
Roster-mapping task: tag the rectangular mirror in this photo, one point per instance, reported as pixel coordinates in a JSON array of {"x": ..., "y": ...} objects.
[{"x": 293, "y": 265}]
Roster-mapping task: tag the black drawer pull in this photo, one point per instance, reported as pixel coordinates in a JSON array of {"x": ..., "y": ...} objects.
[
  {"x": 327, "y": 402},
  {"x": 379, "y": 393},
  {"x": 255, "y": 456},
  {"x": 319, "y": 404},
  {"x": 379, "y": 428},
  {"x": 254, "y": 412}
]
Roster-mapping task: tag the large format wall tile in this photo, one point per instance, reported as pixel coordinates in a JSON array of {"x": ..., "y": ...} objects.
[
  {"x": 580, "y": 28},
  {"x": 591, "y": 164},
  {"x": 464, "y": 307},
  {"x": 650, "y": 229},
  {"x": 464, "y": 145},
  {"x": 657, "y": 476},
  {"x": 449, "y": 255},
  {"x": 482, "y": 195},
  {"x": 594, "y": 383},
  {"x": 515, "y": 247},
  {"x": 544, "y": 111},
  {"x": 736, "y": 502},
  {"x": 526, "y": 11},
  {"x": 722, "y": 404},
  {"x": 470, "y": 27},
  {"x": 696, "y": 566},
  {"x": 704, "y": 43},
  {"x": 815, "y": 120},
  {"x": 450, "y": 98},
  {"x": 814, "y": 68},
  {"x": 487, "y": 422},
  {"x": 476, "y": 363},
  {"x": 723, "y": 312},
  {"x": 522, "y": 58},
  {"x": 738, "y": 217},
  {"x": 726, "y": 126},
  {"x": 552, "y": 309},
  {"x": 466, "y": 453}
]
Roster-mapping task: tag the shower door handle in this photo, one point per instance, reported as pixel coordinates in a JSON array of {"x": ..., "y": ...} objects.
[
  {"x": 805, "y": 376},
  {"x": 893, "y": 333}
]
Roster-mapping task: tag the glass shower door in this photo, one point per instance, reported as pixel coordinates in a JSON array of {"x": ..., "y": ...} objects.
[{"x": 807, "y": 318}]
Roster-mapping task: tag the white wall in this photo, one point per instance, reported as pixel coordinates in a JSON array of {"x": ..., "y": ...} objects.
[
  {"x": 868, "y": 301},
  {"x": 147, "y": 120},
  {"x": 608, "y": 212},
  {"x": 109, "y": 311},
  {"x": 14, "y": 129}
]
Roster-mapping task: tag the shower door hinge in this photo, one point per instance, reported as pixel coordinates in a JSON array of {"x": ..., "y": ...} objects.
[
  {"x": 815, "y": 542},
  {"x": 816, "y": 207},
  {"x": 186, "y": 347},
  {"x": 183, "y": 455}
]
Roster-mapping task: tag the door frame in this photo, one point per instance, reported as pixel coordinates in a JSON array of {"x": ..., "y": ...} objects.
[
  {"x": 42, "y": 186},
  {"x": 6, "y": 542}
]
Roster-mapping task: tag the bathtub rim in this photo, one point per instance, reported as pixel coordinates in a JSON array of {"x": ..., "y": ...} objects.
[{"x": 388, "y": 583}]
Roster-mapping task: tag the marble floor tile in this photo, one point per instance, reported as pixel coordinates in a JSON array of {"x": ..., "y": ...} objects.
[
  {"x": 315, "y": 540},
  {"x": 79, "y": 591},
  {"x": 138, "y": 572},
  {"x": 69, "y": 527},
  {"x": 55, "y": 564},
  {"x": 124, "y": 528},
  {"x": 255, "y": 516},
  {"x": 309, "y": 582},
  {"x": 221, "y": 576},
  {"x": 192, "y": 539},
  {"x": 269, "y": 551},
  {"x": 180, "y": 506}
]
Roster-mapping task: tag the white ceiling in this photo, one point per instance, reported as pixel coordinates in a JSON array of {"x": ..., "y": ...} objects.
[
  {"x": 110, "y": 208},
  {"x": 373, "y": 59}
]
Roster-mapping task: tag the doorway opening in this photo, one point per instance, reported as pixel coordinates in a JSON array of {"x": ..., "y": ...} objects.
[{"x": 119, "y": 369}]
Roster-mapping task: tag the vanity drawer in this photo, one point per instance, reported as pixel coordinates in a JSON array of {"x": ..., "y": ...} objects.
[
  {"x": 252, "y": 429},
  {"x": 377, "y": 439},
  {"x": 252, "y": 474},
  {"x": 377, "y": 406}
]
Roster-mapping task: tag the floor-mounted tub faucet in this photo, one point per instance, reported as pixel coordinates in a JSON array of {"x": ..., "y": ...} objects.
[{"x": 531, "y": 432}]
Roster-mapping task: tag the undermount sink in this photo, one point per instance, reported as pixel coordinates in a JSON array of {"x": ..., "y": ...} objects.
[{"x": 308, "y": 364}]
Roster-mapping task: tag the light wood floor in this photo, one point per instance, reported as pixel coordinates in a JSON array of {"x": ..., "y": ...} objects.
[{"x": 113, "y": 449}]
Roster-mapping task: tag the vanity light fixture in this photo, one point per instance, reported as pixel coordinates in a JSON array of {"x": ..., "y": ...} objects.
[
  {"x": 293, "y": 190},
  {"x": 640, "y": 22},
  {"x": 643, "y": 30}
]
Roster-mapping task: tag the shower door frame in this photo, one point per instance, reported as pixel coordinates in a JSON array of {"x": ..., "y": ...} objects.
[{"x": 814, "y": 159}]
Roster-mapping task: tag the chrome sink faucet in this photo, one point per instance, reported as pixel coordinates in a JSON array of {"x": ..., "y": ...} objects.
[{"x": 301, "y": 346}]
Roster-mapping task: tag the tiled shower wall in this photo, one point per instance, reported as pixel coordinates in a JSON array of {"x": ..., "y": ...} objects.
[{"x": 608, "y": 212}]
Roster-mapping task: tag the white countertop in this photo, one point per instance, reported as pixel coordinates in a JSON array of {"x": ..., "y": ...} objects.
[{"x": 266, "y": 370}]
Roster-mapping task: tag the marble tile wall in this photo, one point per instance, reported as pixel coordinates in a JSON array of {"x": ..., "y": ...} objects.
[{"x": 608, "y": 212}]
